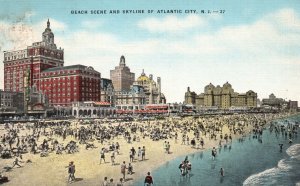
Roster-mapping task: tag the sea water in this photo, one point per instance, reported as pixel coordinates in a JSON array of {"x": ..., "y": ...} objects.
[{"x": 245, "y": 162}]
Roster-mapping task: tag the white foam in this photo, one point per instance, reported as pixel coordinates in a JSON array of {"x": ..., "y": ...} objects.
[
  {"x": 259, "y": 178},
  {"x": 293, "y": 150},
  {"x": 282, "y": 164},
  {"x": 256, "y": 179}
]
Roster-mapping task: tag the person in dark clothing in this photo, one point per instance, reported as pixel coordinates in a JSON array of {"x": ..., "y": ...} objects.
[{"x": 148, "y": 180}]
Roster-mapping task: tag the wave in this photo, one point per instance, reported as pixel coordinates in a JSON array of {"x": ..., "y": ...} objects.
[
  {"x": 268, "y": 175},
  {"x": 276, "y": 175},
  {"x": 293, "y": 150}
]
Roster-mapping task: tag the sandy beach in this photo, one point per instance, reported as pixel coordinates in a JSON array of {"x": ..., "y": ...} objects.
[{"x": 52, "y": 170}]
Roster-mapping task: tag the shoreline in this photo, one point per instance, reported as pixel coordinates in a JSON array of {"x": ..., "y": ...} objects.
[{"x": 51, "y": 170}]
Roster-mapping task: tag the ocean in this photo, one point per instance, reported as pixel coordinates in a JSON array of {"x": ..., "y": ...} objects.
[{"x": 245, "y": 162}]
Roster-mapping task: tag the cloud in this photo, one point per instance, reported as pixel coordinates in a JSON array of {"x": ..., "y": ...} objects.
[
  {"x": 18, "y": 35},
  {"x": 91, "y": 24},
  {"x": 171, "y": 24}
]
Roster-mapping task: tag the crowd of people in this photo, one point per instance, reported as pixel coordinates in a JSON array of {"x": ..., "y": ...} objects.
[{"x": 69, "y": 137}]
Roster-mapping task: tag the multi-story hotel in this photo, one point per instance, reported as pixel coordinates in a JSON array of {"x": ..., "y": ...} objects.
[
  {"x": 41, "y": 67},
  {"x": 64, "y": 85},
  {"x": 221, "y": 97},
  {"x": 121, "y": 76},
  {"x": 35, "y": 58}
]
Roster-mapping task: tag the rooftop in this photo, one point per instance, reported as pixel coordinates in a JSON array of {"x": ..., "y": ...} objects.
[{"x": 67, "y": 68}]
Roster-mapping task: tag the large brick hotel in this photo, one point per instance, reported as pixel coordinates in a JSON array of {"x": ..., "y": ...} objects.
[{"x": 43, "y": 63}]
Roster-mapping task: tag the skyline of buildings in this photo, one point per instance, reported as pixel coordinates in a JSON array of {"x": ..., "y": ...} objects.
[
  {"x": 249, "y": 46},
  {"x": 47, "y": 73},
  {"x": 39, "y": 72},
  {"x": 231, "y": 60},
  {"x": 40, "y": 67},
  {"x": 221, "y": 98}
]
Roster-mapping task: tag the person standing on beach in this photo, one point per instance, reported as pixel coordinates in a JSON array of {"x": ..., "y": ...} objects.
[
  {"x": 148, "y": 180},
  {"x": 130, "y": 156},
  {"x": 112, "y": 157},
  {"x": 105, "y": 183},
  {"x": 123, "y": 170},
  {"x": 143, "y": 153},
  {"x": 139, "y": 153},
  {"x": 165, "y": 146},
  {"x": 111, "y": 182},
  {"x": 168, "y": 147},
  {"x": 71, "y": 171},
  {"x": 102, "y": 155}
]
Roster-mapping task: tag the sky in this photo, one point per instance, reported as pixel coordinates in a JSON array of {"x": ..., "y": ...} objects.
[{"x": 254, "y": 45}]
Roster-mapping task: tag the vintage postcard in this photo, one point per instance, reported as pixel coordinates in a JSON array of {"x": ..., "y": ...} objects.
[{"x": 166, "y": 93}]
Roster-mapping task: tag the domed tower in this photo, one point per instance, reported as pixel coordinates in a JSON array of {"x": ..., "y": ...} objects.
[
  {"x": 48, "y": 36},
  {"x": 226, "y": 95},
  {"x": 122, "y": 61},
  {"x": 208, "y": 95},
  {"x": 217, "y": 96},
  {"x": 143, "y": 79}
]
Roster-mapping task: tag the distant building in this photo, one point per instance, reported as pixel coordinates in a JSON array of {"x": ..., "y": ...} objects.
[
  {"x": 107, "y": 91},
  {"x": 151, "y": 89},
  {"x": 273, "y": 102},
  {"x": 127, "y": 94},
  {"x": 131, "y": 100},
  {"x": 293, "y": 106},
  {"x": 121, "y": 76},
  {"x": 13, "y": 102},
  {"x": 217, "y": 97}
]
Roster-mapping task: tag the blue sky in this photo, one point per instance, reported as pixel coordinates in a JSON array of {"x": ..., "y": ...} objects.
[{"x": 253, "y": 45}]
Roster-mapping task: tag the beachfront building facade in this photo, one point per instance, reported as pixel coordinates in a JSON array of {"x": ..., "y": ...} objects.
[
  {"x": 151, "y": 89},
  {"x": 121, "y": 76},
  {"x": 274, "y": 103},
  {"x": 135, "y": 99},
  {"x": 293, "y": 106},
  {"x": 128, "y": 94},
  {"x": 14, "y": 103},
  {"x": 107, "y": 93},
  {"x": 11, "y": 102},
  {"x": 217, "y": 97},
  {"x": 64, "y": 85},
  {"x": 92, "y": 109}
]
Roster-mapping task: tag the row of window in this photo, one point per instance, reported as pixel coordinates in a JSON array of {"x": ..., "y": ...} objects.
[
  {"x": 66, "y": 72},
  {"x": 15, "y": 57}
]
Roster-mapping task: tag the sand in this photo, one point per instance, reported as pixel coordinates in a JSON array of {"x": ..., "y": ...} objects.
[{"x": 52, "y": 170}]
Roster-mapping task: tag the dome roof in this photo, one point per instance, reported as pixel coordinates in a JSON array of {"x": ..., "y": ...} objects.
[
  {"x": 143, "y": 77},
  {"x": 48, "y": 29},
  {"x": 210, "y": 86},
  {"x": 227, "y": 84}
]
